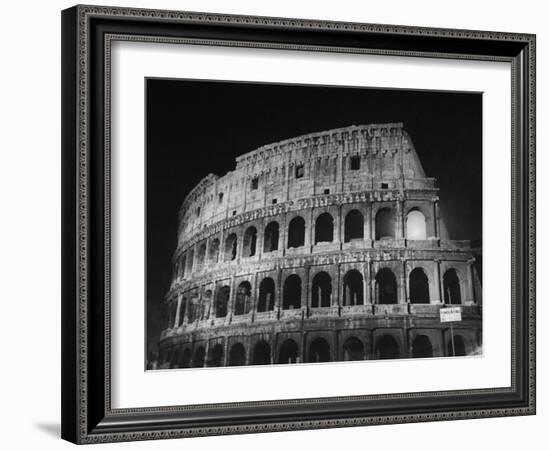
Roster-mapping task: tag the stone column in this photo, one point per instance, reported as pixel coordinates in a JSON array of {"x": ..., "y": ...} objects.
[
  {"x": 175, "y": 272},
  {"x": 372, "y": 283},
  {"x": 308, "y": 291},
  {"x": 246, "y": 185},
  {"x": 367, "y": 228},
  {"x": 338, "y": 234},
  {"x": 278, "y": 293},
  {"x": 372, "y": 222},
  {"x": 435, "y": 219},
  {"x": 212, "y": 312},
  {"x": 206, "y": 353},
  {"x": 240, "y": 242},
  {"x": 338, "y": 300},
  {"x": 254, "y": 297},
  {"x": 309, "y": 238},
  {"x": 273, "y": 345},
  {"x": 283, "y": 234},
  {"x": 471, "y": 283},
  {"x": 287, "y": 177},
  {"x": 399, "y": 229},
  {"x": 231, "y": 302},
  {"x": 366, "y": 279},
  {"x": 340, "y": 175},
  {"x": 185, "y": 305},
  {"x": 199, "y": 305},
  {"x": 225, "y": 352},
  {"x": 171, "y": 318},
  {"x": 260, "y": 239},
  {"x": 177, "y": 321},
  {"x": 206, "y": 260},
  {"x": 222, "y": 247},
  {"x": 303, "y": 295},
  {"x": 438, "y": 298},
  {"x": 403, "y": 283}
]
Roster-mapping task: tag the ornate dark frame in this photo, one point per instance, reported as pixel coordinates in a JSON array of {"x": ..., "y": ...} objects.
[{"x": 87, "y": 32}]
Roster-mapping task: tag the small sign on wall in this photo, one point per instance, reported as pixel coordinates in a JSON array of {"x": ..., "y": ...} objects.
[{"x": 450, "y": 314}]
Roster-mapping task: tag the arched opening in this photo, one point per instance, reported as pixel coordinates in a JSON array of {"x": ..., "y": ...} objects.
[
  {"x": 201, "y": 255},
  {"x": 266, "y": 301},
  {"x": 387, "y": 348},
  {"x": 237, "y": 355},
  {"x": 451, "y": 288},
  {"x": 385, "y": 224},
  {"x": 198, "y": 357},
  {"x": 386, "y": 287},
  {"x": 319, "y": 351},
  {"x": 459, "y": 347},
  {"x": 190, "y": 256},
  {"x": 192, "y": 308},
  {"x": 206, "y": 304},
  {"x": 183, "y": 307},
  {"x": 271, "y": 237},
  {"x": 242, "y": 299},
  {"x": 172, "y": 314},
  {"x": 422, "y": 347},
  {"x": 214, "y": 251},
  {"x": 261, "y": 353},
  {"x": 181, "y": 267},
  {"x": 324, "y": 228},
  {"x": 354, "y": 349},
  {"x": 288, "y": 353},
  {"x": 416, "y": 225},
  {"x": 222, "y": 299},
  {"x": 353, "y": 225},
  {"x": 186, "y": 358},
  {"x": 216, "y": 356},
  {"x": 296, "y": 232},
  {"x": 353, "y": 288},
  {"x": 230, "y": 247},
  {"x": 321, "y": 290},
  {"x": 292, "y": 292},
  {"x": 419, "y": 289},
  {"x": 249, "y": 242}
]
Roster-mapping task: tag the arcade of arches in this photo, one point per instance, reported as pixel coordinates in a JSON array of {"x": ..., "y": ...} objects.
[
  {"x": 246, "y": 246},
  {"x": 358, "y": 346},
  {"x": 323, "y": 293}
]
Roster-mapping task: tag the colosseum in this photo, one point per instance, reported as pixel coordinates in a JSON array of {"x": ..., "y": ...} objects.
[{"x": 323, "y": 247}]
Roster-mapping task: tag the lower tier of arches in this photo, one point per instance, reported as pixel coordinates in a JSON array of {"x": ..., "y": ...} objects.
[{"x": 259, "y": 346}]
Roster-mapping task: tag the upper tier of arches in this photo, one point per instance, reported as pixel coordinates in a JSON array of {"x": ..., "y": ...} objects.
[{"x": 412, "y": 224}]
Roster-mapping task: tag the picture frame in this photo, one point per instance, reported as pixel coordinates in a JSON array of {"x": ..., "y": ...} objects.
[{"x": 88, "y": 33}]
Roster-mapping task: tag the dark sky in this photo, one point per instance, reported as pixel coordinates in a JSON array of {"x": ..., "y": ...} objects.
[{"x": 199, "y": 127}]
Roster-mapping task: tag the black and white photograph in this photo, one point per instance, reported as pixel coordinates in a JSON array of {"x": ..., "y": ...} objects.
[{"x": 291, "y": 223}]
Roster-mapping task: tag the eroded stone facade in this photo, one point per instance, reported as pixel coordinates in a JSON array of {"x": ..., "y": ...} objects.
[{"x": 324, "y": 247}]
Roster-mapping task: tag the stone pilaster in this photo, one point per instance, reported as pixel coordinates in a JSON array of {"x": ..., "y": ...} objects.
[
  {"x": 308, "y": 290},
  {"x": 438, "y": 298},
  {"x": 231, "y": 302},
  {"x": 279, "y": 292},
  {"x": 177, "y": 320},
  {"x": 402, "y": 284},
  {"x": 367, "y": 297},
  {"x": 471, "y": 299},
  {"x": 435, "y": 220},
  {"x": 399, "y": 222}
]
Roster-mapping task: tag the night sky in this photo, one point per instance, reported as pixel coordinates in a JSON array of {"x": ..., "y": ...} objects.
[{"x": 198, "y": 127}]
